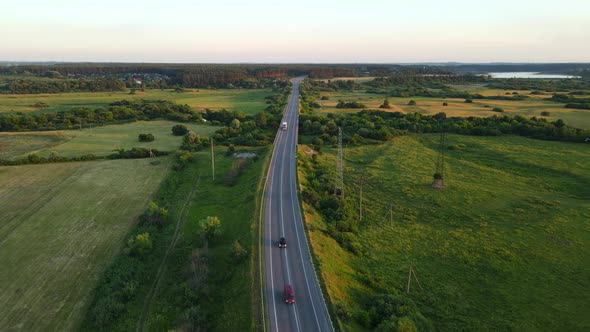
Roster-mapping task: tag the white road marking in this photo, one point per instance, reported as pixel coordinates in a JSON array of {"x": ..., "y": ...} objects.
[{"x": 272, "y": 282}]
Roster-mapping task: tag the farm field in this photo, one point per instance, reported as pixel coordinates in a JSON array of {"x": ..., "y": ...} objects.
[
  {"x": 505, "y": 246},
  {"x": 249, "y": 101},
  {"x": 529, "y": 107},
  {"x": 60, "y": 226},
  {"x": 100, "y": 141}
]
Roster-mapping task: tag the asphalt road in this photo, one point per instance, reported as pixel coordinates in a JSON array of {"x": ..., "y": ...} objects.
[{"x": 282, "y": 217}]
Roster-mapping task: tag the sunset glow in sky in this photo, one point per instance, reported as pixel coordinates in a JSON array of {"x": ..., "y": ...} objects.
[{"x": 298, "y": 31}]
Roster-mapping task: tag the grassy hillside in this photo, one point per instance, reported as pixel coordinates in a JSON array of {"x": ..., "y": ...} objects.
[
  {"x": 249, "y": 101},
  {"x": 505, "y": 246},
  {"x": 529, "y": 107},
  {"x": 60, "y": 226},
  {"x": 100, "y": 141}
]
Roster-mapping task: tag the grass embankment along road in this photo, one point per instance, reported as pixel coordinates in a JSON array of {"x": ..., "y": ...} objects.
[
  {"x": 249, "y": 101},
  {"x": 60, "y": 226},
  {"x": 100, "y": 141},
  {"x": 189, "y": 285},
  {"x": 229, "y": 286},
  {"x": 529, "y": 107},
  {"x": 505, "y": 246}
]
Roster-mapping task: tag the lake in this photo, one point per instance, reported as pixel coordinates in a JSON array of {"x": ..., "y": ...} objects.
[{"x": 523, "y": 74}]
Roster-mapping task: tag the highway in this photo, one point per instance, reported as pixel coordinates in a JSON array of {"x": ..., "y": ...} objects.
[{"x": 282, "y": 218}]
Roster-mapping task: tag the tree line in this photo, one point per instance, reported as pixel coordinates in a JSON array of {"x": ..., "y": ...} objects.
[
  {"x": 381, "y": 125},
  {"x": 33, "y": 86},
  {"x": 124, "y": 110}
]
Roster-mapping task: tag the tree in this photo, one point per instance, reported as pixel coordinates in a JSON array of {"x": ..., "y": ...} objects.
[
  {"x": 179, "y": 130},
  {"x": 140, "y": 245},
  {"x": 262, "y": 119},
  {"x": 210, "y": 226},
  {"x": 385, "y": 104},
  {"x": 235, "y": 123},
  {"x": 230, "y": 149},
  {"x": 146, "y": 137},
  {"x": 191, "y": 138},
  {"x": 156, "y": 215}
]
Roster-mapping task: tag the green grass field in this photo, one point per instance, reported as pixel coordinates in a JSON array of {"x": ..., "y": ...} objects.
[
  {"x": 506, "y": 246},
  {"x": 218, "y": 289},
  {"x": 60, "y": 226},
  {"x": 100, "y": 141},
  {"x": 249, "y": 101},
  {"x": 228, "y": 305},
  {"x": 529, "y": 107}
]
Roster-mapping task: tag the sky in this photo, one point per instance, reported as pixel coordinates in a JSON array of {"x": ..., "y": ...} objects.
[{"x": 304, "y": 31}]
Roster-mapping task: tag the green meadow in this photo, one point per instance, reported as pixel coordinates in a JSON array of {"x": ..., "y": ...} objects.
[
  {"x": 505, "y": 246},
  {"x": 249, "y": 101},
  {"x": 100, "y": 141}
]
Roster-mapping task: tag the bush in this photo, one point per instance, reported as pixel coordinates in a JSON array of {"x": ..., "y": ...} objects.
[
  {"x": 238, "y": 253},
  {"x": 146, "y": 137},
  {"x": 230, "y": 150},
  {"x": 399, "y": 311},
  {"x": 498, "y": 109},
  {"x": 385, "y": 104},
  {"x": 210, "y": 227},
  {"x": 545, "y": 113},
  {"x": 349, "y": 104},
  {"x": 445, "y": 104},
  {"x": 437, "y": 176},
  {"x": 139, "y": 245},
  {"x": 317, "y": 141},
  {"x": 179, "y": 130},
  {"x": 412, "y": 103},
  {"x": 156, "y": 215},
  {"x": 237, "y": 168},
  {"x": 469, "y": 101}
]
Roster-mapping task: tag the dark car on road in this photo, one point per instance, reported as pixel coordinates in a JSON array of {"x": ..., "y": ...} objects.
[
  {"x": 289, "y": 294},
  {"x": 282, "y": 243}
]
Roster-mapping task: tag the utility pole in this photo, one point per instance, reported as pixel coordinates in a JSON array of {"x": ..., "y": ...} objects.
[
  {"x": 409, "y": 278},
  {"x": 410, "y": 273},
  {"x": 212, "y": 159},
  {"x": 390, "y": 212}
]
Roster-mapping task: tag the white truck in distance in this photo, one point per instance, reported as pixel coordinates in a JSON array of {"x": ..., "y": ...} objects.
[{"x": 284, "y": 126}]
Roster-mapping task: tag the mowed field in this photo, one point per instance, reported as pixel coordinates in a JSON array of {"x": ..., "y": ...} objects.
[
  {"x": 60, "y": 226},
  {"x": 529, "y": 107},
  {"x": 505, "y": 246},
  {"x": 100, "y": 141},
  {"x": 249, "y": 101}
]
